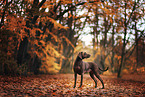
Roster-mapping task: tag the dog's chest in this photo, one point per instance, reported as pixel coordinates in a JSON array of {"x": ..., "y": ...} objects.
[{"x": 77, "y": 69}]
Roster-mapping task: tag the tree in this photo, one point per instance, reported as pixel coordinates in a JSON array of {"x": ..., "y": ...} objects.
[
  {"x": 32, "y": 35},
  {"x": 42, "y": 35},
  {"x": 115, "y": 18},
  {"x": 39, "y": 35},
  {"x": 127, "y": 18}
]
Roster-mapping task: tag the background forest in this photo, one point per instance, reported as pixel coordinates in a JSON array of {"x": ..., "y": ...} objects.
[{"x": 43, "y": 36}]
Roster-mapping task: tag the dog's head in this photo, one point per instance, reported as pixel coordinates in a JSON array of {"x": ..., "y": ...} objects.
[{"x": 83, "y": 55}]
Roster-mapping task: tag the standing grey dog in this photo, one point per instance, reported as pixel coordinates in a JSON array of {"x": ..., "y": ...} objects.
[{"x": 81, "y": 67}]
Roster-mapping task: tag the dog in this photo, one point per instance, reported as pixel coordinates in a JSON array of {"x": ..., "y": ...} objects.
[{"x": 81, "y": 67}]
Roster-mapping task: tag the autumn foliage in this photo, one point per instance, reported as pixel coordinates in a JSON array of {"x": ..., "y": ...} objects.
[
  {"x": 39, "y": 39},
  {"x": 43, "y": 36}
]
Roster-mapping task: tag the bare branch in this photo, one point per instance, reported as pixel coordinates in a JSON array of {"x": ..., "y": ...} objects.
[{"x": 73, "y": 6}]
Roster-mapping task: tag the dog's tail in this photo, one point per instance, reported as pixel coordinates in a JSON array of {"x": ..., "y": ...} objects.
[{"x": 105, "y": 69}]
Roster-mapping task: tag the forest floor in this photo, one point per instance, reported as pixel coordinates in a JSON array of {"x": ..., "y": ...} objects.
[{"x": 61, "y": 85}]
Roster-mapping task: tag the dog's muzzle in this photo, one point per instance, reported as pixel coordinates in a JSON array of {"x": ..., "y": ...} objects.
[{"x": 88, "y": 56}]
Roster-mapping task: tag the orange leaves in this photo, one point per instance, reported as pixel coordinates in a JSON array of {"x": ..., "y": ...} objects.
[
  {"x": 53, "y": 35},
  {"x": 15, "y": 23},
  {"x": 67, "y": 40},
  {"x": 141, "y": 69},
  {"x": 118, "y": 57},
  {"x": 61, "y": 85},
  {"x": 42, "y": 42},
  {"x": 56, "y": 25},
  {"x": 8, "y": 53},
  {"x": 66, "y": 1}
]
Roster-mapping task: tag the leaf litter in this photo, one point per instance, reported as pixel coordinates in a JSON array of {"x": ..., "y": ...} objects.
[{"x": 61, "y": 85}]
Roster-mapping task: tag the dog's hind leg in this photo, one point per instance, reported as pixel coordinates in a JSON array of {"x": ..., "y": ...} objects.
[
  {"x": 92, "y": 76},
  {"x": 98, "y": 76}
]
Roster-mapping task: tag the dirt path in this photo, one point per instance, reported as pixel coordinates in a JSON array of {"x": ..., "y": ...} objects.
[{"x": 61, "y": 85}]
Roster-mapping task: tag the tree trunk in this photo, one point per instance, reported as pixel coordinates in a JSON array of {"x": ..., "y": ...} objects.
[
  {"x": 95, "y": 33},
  {"x": 68, "y": 53},
  {"x": 136, "y": 40},
  {"x": 68, "y": 50},
  {"x": 124, "y": 45},
  {"x": 112, "y": 57},
  {"x": 22, "y": 52}
]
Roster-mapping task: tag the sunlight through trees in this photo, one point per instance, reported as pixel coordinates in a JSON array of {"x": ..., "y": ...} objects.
[{"x": 43, "y": 36}]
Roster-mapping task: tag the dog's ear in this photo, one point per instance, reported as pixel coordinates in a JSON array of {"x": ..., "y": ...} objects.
[{"x": 80, "y": 54}]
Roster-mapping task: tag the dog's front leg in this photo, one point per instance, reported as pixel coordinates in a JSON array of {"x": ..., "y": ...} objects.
[
  {"x": 81, "y": 80},
  {"x": 75, "y": 80}
]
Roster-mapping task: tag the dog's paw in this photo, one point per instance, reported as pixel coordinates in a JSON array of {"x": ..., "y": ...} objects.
[{"x": 80, "y": 86}]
